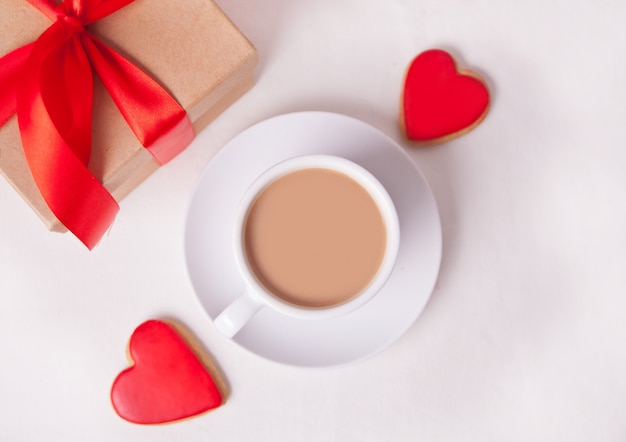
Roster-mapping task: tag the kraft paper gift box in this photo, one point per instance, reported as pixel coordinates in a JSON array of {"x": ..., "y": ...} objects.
[{"x": 190, "y": 47}]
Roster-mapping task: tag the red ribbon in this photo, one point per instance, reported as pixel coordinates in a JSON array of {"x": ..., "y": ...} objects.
[{"x": 49, "y": 84}]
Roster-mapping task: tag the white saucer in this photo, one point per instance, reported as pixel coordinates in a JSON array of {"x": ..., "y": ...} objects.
[{"x": 328, "y": 342}]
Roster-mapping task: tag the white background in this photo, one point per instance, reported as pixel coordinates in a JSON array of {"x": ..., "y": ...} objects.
[{"x": 524, "y": 337}]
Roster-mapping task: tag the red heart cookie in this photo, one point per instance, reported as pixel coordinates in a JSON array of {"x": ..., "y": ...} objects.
[
  {"x": 439, "y": 101},
  {"x": 167, "y": 381}
]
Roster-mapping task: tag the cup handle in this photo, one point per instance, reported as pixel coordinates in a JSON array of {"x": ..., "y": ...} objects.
[{"x": 237, "y": 314}]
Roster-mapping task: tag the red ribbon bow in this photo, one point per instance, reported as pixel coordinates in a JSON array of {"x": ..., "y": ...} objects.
[{"x": 49, "y": 84}]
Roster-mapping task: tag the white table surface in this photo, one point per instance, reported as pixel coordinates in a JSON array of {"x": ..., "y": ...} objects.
[{"x": 525, "y": 335}]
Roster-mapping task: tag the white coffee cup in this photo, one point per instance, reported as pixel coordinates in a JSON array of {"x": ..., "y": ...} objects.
[{"x": 256, "y": 295}]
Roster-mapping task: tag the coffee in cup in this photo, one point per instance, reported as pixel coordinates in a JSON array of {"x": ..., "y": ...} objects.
[{"x": 314, "y": 237}]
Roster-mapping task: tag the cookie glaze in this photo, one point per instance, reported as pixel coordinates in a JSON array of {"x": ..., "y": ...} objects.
[
  {"x": 439, "y": 101},
  {"x": 167, "y": 381}
]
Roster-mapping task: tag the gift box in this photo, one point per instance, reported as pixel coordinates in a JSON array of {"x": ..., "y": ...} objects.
[{"x": 190, "y": 48}]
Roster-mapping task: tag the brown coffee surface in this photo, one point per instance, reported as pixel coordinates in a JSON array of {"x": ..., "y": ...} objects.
[{"x": 314, "y": 237}]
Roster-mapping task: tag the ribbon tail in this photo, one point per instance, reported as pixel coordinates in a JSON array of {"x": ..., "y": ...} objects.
[
  {"x": 59, "y": 169},
  {"x": 157, "y": 120},
  {"x": 11, "y": 67}
]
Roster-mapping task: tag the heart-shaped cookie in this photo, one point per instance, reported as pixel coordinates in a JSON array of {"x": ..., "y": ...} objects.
[
  {"x": 440, "y": 101},
  {"x": 167, "y": 381}
]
